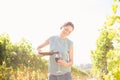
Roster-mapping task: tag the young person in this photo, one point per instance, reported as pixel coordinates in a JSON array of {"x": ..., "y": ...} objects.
[{"x": 61, "y": 69}]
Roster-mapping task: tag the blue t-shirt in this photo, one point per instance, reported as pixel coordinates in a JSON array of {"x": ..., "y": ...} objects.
[{"x": 62, "y": 46}]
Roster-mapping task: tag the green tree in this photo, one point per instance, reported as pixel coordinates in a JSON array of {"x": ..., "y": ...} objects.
[
  {"x": 5, "y": 46},
  {"x": 106, "y": 54}
]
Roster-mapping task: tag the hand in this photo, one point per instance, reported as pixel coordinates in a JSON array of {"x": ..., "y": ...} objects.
[
  {"x": 40, "y": 55},
  {"x": 63, "y": 63}
]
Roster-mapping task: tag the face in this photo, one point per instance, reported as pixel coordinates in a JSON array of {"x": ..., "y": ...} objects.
[{"x": 66, "y": 30}]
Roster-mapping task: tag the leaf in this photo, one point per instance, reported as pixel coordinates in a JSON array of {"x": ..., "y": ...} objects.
[{"x": 114, "y": 8}]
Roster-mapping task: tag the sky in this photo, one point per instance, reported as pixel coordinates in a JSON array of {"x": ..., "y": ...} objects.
[{"x": 37, "y": 20}]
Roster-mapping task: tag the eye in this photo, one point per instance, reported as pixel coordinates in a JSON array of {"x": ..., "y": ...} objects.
[{"x": 66, "y": 29}]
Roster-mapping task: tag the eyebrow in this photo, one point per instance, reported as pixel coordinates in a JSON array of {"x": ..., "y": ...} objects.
[{"x": 68, "y": 30}]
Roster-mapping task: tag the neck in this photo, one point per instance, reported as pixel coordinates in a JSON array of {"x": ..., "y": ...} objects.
[{"x": 62, "y": 36}]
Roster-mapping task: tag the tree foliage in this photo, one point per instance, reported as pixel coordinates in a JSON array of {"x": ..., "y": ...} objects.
[{"x": 107, "y": 51}]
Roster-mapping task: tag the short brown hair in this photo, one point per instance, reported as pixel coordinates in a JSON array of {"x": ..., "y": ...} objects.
[{"x": 68, "y": 24}]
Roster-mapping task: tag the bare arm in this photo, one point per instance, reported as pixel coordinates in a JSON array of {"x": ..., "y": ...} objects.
[
  {"x": 42, "y": 46},
  {"x": 70, "y": 63}
]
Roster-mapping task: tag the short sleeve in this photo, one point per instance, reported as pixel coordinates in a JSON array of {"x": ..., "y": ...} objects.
[{"x": 70, "y": 43}]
